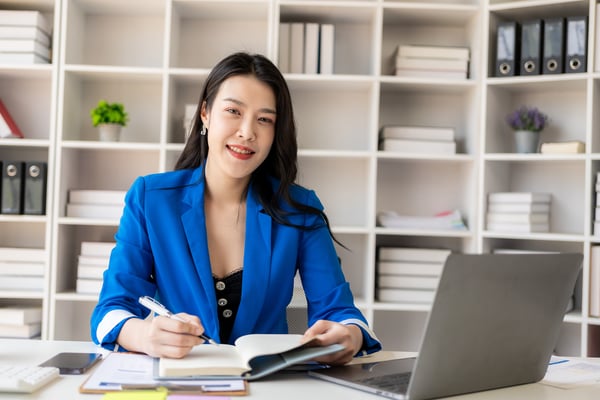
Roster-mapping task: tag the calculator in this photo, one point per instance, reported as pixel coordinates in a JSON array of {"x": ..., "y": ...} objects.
[{"x": 25, "y": 379}]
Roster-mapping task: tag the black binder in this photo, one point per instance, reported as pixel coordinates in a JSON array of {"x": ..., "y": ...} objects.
[
  {"x": 34, "y": 197},
  {"x": 507, "y": 48},
  {"x": 532, "y": 33},
  {"x": 12, "y": 187},
  {"x": 554, "y": 46},
  {"x": 576, "y": 58}
]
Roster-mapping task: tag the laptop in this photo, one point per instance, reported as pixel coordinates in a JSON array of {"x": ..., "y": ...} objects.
[{"x": 494, "y": 322}]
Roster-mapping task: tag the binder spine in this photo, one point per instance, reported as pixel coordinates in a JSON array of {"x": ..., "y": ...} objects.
[
  {"x": 12, "y": 188},
  {"x": 508, "y": 48},
  {"x": 576, "y": 59},
  {"x": 531, "y": 47},
  {"x": 554, "y": 46}
]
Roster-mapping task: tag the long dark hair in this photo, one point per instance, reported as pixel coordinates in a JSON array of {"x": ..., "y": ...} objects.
[{"x": 282, "y": 161}]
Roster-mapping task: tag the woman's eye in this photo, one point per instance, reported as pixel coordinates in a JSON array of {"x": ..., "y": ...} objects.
[
  {"x": 266, "y": 120},
  {"x": 232, "y": 111}
]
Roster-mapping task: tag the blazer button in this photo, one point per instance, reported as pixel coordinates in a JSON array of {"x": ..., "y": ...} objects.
[
  {"x": 220, "y": 285},
  {"x": 222, "y": 302},
  {"x": 227, "y": 313}
]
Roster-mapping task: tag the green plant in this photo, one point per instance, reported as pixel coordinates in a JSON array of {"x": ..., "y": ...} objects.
[
  {"x": 527, "y": 118},
  {"x": 109, "y": 113}
]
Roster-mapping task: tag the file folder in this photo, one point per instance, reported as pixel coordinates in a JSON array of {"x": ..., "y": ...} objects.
[
  {"x": 12, "y": 187},
  {"x": 34, "y": 198},
  {"x": 508, "y": 48},
  {"x": 531, "y": 47},
  {"x": 576, "y": 58},
  {"x": 554, "y": 46}
]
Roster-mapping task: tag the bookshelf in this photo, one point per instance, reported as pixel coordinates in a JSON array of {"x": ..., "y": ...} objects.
[{"x": 161, "y": 51}]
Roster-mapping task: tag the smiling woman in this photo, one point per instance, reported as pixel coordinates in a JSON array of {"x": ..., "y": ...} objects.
[{"x": 220, "y": 239}]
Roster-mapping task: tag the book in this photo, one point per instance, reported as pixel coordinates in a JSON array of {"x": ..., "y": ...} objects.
[
  {"x": 91, "y": 271},
  {"x": 417, "y": 133},
  {"x": 8, "y": 127},
  {"x": 519, "y": 197},
  {"x": 19, "y": 315},
  {"x": 101, "y": 211},
  {"x": 284, "y": 47},
  {"x": 25, "y": 18},
  {"x": 297, "y": 47},
  {"x": 432, "y": 64},
  {"x": 82, "y": 196},
  {"x": 418, "y": 146},
  {"x": 97, "y": 249},
  {"x": 407, "y": 282},
  {"x": 518, "y": 217},
  {"x": 410, "y": 268},
  {"x": 25, "y": 32},
  {"x": 449, "y": 220},
  {"x": 21, "y": 268},
  {"x": 413, "y": 254},
  {"x": 518, "y": 207},
  {"x": 22, "y": 282},
  {"x": 595, "y": 282},
  {"x": 326, "y": 49},
  {"x": 413, "y": 296},
  {"x": 24, "y": 46},
  {"x": 22, "y": 58},
  {"x": 572, "y": 147},
  {"x": 311, "y": 48},
  {"x": 430, "y": 74},
  {"x": 94, "y": 261},
  {"x": 88, "y": 286},
  {"x": 441, "y": 52},
  {"x": 251, "y": 357},
  {"x": 22, "y": 254},
  {"x": 517, "y": 227},
  {"x": 25, "y": 331}
]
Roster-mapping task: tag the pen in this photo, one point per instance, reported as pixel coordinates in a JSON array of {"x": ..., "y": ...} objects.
[{"x": 153, "y": 305}]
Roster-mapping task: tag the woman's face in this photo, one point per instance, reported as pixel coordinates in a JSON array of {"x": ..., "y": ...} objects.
[{"x": 241, "y": 127}]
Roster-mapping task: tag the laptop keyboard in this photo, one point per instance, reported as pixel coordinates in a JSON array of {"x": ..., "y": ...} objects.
[{"x": 394, "y": 383}]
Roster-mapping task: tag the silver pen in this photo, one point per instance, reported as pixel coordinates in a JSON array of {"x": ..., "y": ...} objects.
[{"x": 153, "y": 305}]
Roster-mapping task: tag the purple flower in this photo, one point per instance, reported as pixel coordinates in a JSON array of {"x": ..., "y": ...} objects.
[{"x": 526, "y": 118}]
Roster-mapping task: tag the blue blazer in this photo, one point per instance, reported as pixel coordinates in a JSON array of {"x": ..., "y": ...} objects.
[{"x": 162, "y": 251}]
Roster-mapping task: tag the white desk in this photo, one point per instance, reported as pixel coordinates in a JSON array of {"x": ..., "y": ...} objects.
[{"x": 283, "y": 386}]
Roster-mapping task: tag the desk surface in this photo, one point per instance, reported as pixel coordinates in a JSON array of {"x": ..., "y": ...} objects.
[{"x": 279, "y": 386}]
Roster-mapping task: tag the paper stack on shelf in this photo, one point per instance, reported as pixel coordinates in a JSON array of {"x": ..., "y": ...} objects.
[
  {"x": 432, "y": 61},
  {"x": 22, "y": 268},
  {"x": 92, "y": 262},
  {"x": 409, "y": 275},
  {"x": 20, "y": 321},
  {"x": 25, "y": 37},
  {"x": 306, "y": 48},
  {"x": 447, "y": 220},
  {"x": 518, "y": 212},
  {"x": 417, "y": 139},
  {"x": 103, "y": 204},
  {"x": 572, "y": 147}
]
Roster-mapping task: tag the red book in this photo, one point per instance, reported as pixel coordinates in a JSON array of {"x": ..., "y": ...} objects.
[{"x": 8, "y": 127}]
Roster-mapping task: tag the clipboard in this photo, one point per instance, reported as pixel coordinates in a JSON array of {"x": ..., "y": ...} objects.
[{"x": 132, "y": 371}]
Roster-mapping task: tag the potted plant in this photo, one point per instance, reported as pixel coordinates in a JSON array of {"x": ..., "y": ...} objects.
[
  {"x": 109, "y": 118},
  {"x": 527, "y": 123}
]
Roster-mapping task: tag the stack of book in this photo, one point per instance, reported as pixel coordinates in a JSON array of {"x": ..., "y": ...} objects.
[
  {"x": 92, "y": 262},
  {"x": 417, "y": 139},
  {"x": 22, "y": 268},
  {"x": 409, "y": 275},
  {"x": 432, "y": 62},
  {"x": 306, "y": 48},
  {"x": 518, "y": 212},
  {"x": 20, "y": 321},
  {"x": 25, "y": 37},
  {"x": 102, "y": 204},
  {"x": 572, "y": 147},
  {"x": 447, "y": 220}
]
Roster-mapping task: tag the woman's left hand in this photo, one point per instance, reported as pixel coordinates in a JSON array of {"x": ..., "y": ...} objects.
[{"x": 329, "y": 332}]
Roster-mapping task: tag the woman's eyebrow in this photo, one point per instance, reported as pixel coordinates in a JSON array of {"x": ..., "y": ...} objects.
[{"x": 241, "y": 103}]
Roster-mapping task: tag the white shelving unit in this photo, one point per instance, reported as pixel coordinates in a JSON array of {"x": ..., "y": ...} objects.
[{"x": 153, "y": 56}]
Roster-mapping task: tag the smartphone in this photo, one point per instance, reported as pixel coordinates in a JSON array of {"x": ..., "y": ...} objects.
[{"x": 72, "y": 363}]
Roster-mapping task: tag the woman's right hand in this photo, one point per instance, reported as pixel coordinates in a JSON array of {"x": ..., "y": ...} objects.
[{"x": 162, "y": 336}]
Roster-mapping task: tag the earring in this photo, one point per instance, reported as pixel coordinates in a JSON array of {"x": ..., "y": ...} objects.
[{"x": 203, "y": 131}]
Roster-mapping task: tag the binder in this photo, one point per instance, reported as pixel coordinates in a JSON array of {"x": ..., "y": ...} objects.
[
  {"x": 34, "y": 197},
  {"x": 507, "y": 48},
  {"x": 554, "y": 46},
  {"x": 531, "y": 47},
  {"x": 12, "y": 187},
  {"x": 576, "y": 58}
]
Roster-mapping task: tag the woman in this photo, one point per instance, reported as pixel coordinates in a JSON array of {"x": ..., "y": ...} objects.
[{"x": 219, "y": 240}]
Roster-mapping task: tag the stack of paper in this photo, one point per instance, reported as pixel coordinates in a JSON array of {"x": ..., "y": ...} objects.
[
  {"x": 432, "y": 61},
  {"x": 417, "y": 139},
  {"x": 22, "y": 268},
  {"x": 572, "y": 147},
  {"x": 103, "y": 204},
  {"x": 409, "y": 275},
  {"x": 92, "y": 262},
  {"x": 306, "y": 48},
  {"x": 25, "y": 37},
  {"x": 447, "y": 220},
  {"x": 20, "y": 321},
  {"x": 518, "y": 212}
]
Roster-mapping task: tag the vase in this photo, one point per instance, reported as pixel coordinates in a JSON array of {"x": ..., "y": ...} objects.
[
  {"x": 526, "y": 141},
  {"x": 109, "y": 132}
]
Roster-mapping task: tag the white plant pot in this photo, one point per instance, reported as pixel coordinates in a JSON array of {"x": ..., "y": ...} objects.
[{"x": 109, "y": 132}]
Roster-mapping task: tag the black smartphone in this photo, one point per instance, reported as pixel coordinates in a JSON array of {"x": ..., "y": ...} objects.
[{"x": 72, "y": 363}]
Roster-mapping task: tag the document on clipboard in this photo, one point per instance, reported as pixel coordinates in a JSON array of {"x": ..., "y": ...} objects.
[{"x": 127, "y": 371}]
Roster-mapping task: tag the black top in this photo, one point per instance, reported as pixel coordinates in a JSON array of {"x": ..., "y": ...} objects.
[{"x": 229, "y": 292}]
